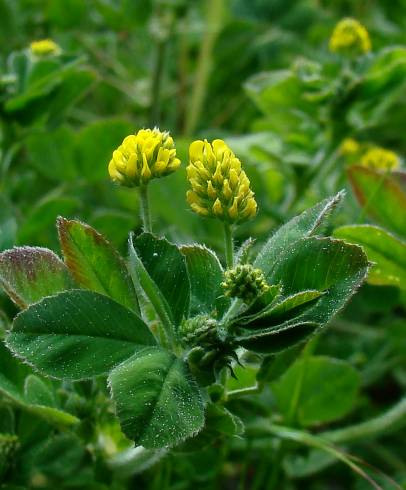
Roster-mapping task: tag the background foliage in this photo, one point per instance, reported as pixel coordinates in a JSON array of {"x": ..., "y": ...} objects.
[{"x": 258, "y": 74}]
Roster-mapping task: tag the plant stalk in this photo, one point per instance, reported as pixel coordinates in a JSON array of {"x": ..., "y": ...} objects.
[
  {"x": 154, "y": 116},
  {"x": 229, "y": 245},
  {"x": 144, "y": 209},
  {"x": 213, "y": 26}
]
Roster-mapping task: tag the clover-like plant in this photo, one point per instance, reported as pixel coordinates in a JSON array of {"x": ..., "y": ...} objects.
[{"x": 167, "y": 327}]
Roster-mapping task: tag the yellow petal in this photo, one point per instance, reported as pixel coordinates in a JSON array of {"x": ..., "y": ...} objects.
[
  {"x": 217, "y": 177},
  {"x": 217, "y": 208},
  {"x": 196, "y": 150},
  {"x": 199, "y": 209},
  {"x": 233, "y": 178},
  {"x": 211, "y": 191},
  {"x": 227, "y": 192},
  {"x": 145, "y": 171},
  {"x": 233, "y": 211}
]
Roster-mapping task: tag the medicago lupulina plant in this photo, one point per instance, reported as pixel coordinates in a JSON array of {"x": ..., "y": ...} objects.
[{"x": 167, "y": 327}]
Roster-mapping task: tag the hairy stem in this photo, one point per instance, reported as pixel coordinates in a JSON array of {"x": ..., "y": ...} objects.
[
  {"x": 229, "y": 246},
  {"x": 144, "y": 209}
]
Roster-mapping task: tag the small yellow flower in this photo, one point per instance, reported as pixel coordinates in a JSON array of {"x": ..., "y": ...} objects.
[
  {"x": 349, "y": 146},
  {"x": 380, "y": 159},
  {"x": 44, "y": 47},
  {"x": 220, "y": 188},
  {"x": 143, "y": 156},
  {"x": 350, "y": 38}
]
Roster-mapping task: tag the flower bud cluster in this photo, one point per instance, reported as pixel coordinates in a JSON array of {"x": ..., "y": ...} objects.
[
  {"x": 244, "y": 282},
  {"x": 199, "y": 330}
]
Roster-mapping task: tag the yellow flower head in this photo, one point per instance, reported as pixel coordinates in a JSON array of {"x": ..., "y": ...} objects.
[
  {"x": 147, "y": 155},
  {"x": 380, "y": 159},
  {"x": 44, "y": 47},
  {"x": 350, "y": 38},
  {"x": 220, "y": 188},
  {"x": 349, "y": 146}
]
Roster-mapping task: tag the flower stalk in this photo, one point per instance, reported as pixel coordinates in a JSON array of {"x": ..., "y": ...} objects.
[
  {"x": 145, "y": 211},
  {"x": 229, "y": 245}
]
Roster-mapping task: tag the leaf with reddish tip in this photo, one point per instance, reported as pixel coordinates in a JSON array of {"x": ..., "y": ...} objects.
[
  {"x": 94, "y": 262},
  {"x": 27, "y": 274},
  {"x": 382, "y": 196}
]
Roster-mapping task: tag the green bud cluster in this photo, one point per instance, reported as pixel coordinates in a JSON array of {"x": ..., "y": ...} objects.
[
  {"x": 199, "y": 330},
  {"x": 244, "y": 282}
]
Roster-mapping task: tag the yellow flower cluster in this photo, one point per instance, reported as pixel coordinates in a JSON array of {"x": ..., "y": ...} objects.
[
  {"x": 380, "y": 159},
  {"x": 350, "y": 38},
  {"x": 143, "y": 156},
  {"x": 220, "y": 188},
  {"x": 44, "y": 47},
  {"x": 349, "y": 147}
]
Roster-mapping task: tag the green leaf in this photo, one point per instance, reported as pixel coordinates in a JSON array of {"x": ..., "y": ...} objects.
[
  {"x": 12, "y": 375},
  {"x": 77, "y": 334},
  {"x": 304, "y": 225},
  {"x": 206, "y": 274},
  {"x": 36, "y": 392},
  {"x": 277, "y": 339},
  {"x": 321, "y": 264},
  {"x": 16, "y": 383},
  {"x": 325, "y": 389},
  {"x": 94, "y": 262},
  {"x": 40, "y": 220},
  {"x": 96, "y": 143},
  {"x": 244, "y": 377},
  {"x": 167, "y": 268},
  {"x": 386, "y": 251},
  {"x": 273, "y": 366},
  {"x": 53, "y": 153},
  {"x": 382, "y": 197},
  {"x": 284, "y": 309},
  {"x": 157, "y": 400},
  {"x": 145, "y": 283},
  {"x": 27, "y": 274}
]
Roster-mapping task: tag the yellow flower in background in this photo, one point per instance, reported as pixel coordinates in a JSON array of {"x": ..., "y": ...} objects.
[
  {"x": 350, "y": 38},
  {"x": 349, "y": 146},
  {"x": 146, "y": 155},
  {"x": 380, "y": 159},
  {"x": 44, "y": 47},
  {"x": 220, "y": 188}
]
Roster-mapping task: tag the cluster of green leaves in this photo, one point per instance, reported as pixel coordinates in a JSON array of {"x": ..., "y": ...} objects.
[{"x": 102, "y": 329}]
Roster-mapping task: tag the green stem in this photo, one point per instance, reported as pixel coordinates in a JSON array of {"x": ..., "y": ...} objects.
[
  {"x": 154, "y": 115},
  {"x": 213, "y": 26},
  {"x": 130, "y": 461},
  {"x": 251, "y": 390},
  {"x": 390, "y": 420},
  {"x": 229, "y": 246},
  {"x": 145, "y": 211}
]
